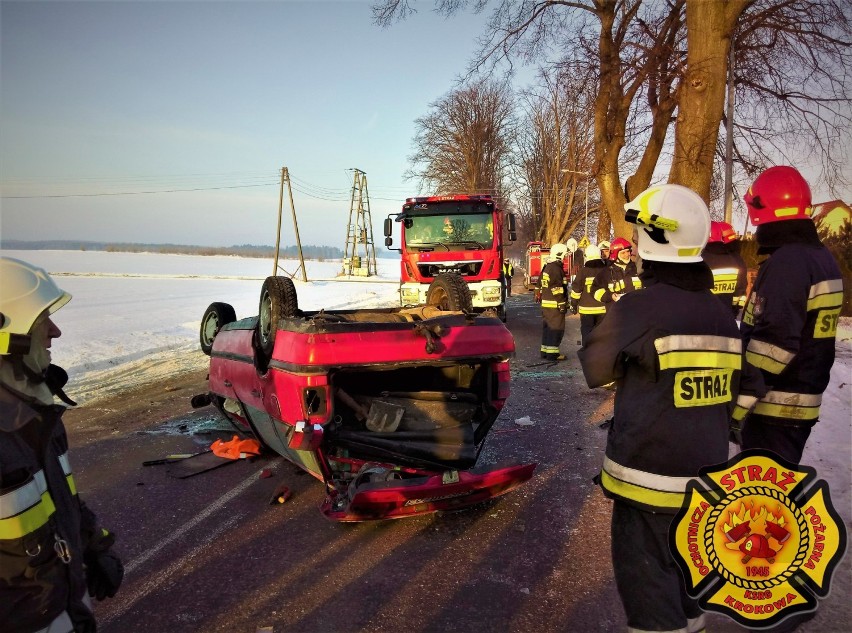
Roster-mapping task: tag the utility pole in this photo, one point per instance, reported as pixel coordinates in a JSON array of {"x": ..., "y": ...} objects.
[
  {"x": 285, "y": 177},
  {"x": 359, "y": 231}
]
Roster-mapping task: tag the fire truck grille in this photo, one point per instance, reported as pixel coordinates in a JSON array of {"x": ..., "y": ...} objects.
[{"x": 465, "y": 269}]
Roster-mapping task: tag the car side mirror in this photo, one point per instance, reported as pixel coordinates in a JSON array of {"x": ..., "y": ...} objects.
[
  {"x": 510, "y": 219},
  {"x": 388, "y": 228},
  {"x": 388, "y": 241}
]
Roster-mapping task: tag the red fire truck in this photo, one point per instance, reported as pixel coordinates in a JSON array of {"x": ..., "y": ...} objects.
[
  {"x": 461, "y": 234},
  {"x": 536, "y": 259}
]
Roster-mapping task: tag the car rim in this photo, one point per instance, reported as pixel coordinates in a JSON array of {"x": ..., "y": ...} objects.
[{"x": 211, "y": 326}]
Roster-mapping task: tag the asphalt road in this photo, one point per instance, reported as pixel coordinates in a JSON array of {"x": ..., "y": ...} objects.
[{"x": 209, "y": 553}]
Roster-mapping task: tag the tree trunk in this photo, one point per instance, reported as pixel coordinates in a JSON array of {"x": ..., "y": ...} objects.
[{"x": 709, "y": 26}]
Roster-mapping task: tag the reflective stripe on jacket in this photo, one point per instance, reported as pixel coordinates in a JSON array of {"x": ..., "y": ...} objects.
[
  {"x": 677, "y": 359},
  {"x": 553, "y": 287},
  {"x": 730, "y": 277},
  {"x": 614, "y": 279},
  {"x": 581, "y": 288},
  {"x": 789, "y": 327},
  {"x": 43, "y": 524}
]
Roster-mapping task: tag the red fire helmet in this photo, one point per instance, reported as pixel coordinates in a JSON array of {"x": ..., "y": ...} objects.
[
  {"x": 722, "y": 232},
  {"x": 618, "y": 244},
  {"x": 779, "y": 193}
]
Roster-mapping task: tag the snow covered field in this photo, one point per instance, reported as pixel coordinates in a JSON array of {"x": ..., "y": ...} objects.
[{"x": 134, "y": 317}]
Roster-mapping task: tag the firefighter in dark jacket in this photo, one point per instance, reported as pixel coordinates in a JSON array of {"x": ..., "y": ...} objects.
[
  {"x": 508, "y": 272},
  {"x": 619, "y": 278},
  {"x": 554, "y": 303},
  {"x": 590, "y": 309},
  {"x": 52, "y": 552},
  {"x": 790, "y": 318},
  {"x": 722, "y": 255},
  {"x": 677, "y": 358}
]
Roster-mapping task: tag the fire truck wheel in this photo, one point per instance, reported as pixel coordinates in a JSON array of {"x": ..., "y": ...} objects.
[
  {"x": 449, "y": 291},
  {"x": 215, "y": 317},
  {"x": 277, "y": 300}
]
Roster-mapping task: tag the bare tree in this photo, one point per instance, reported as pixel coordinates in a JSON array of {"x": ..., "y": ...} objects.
[
  {"x": 792, "y": 72},
  {"x": 666, "y": 61},
  {"x": 554, "y": 152},
  {"x": 463, "y": 144},
  {"x": 613, "y": 33}
]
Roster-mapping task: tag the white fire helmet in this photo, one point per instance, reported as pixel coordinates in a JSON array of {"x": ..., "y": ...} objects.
[
  {"x": 673, "y": 223},
  {"x": 26, "y": 291},
  {"x": 557, "y": 252},
  {"x": 591, "y": 252}
]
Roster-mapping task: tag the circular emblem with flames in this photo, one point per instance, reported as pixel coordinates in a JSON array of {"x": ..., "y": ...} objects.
[{"x": 757, "y": 539}]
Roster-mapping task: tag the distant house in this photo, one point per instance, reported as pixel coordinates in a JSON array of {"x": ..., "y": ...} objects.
[{"x": 830, "y": 217}]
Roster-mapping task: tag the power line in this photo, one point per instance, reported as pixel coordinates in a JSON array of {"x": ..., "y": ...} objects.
[
  {"x": 304, "y": 187},
  {"x": 132, "y": 193}
]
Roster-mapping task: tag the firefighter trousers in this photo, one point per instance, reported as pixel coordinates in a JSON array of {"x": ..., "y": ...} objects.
[
  {"x": 588, "y": 322},
  {"x": 649, "y": 582},
  {"x": 786, "y": 440},
  {"x": 552, "y": 331}
]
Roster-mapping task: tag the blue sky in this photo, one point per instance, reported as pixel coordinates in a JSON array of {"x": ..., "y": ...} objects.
[
  {"x": 101, "y": 98},
  {"x": 203, "y": 103}
]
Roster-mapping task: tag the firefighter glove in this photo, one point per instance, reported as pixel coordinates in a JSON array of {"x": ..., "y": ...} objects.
[
  {"x": 104, "y": 570},
  {"x": 735, "y": 432}
]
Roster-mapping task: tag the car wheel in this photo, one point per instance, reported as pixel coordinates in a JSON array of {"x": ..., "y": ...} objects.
[
  {"x": 449, "y": 291},
  {"x": 277, "y": 300},
  {"x": 216, "y": 316}
]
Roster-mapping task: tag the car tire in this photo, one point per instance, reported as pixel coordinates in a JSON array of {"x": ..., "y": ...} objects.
[
  {"x": 449, "y": 291},
  {"x": 277, "y": 301},
  {"x": 216, "y": 316}
]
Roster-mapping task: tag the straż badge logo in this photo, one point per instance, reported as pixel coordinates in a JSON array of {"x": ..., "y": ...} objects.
[{"x": 757, "y": 539}]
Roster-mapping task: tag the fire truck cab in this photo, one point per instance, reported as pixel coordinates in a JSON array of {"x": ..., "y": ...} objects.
[{"x": 461, "y": 234}]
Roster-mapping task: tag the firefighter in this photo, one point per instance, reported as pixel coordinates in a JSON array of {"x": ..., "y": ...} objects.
[
  {"x": 508, "y": 272},
  {"x": 52, "y": 552},
  {"x": 722, "y": 254},
  {"x": 554, "y": 303},
  {"x": 603, "y": 247},
  {"x": 676, "y": 356},
  {"x": 619, "y": 277},
  {"x": 790, "y": 318},
  {"x": 591, "y": 310}
]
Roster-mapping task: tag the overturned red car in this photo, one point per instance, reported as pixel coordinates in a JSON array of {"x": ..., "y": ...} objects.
[{"x": 390, "y": 408}]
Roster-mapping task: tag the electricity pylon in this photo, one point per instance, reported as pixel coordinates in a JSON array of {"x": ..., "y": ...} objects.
[{"x": 359, "y": 231}]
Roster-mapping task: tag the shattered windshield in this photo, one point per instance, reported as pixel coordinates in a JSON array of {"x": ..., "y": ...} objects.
[{"x": 450, "y": 232}]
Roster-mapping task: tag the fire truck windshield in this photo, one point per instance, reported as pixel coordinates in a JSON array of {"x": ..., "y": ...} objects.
[{"x": 453, "y": 232}]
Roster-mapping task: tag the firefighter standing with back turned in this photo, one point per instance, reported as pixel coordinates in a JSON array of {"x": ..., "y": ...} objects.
[
  {"x": 591, "y": 310},
  {"x": 676, "y": 356},
  {"x": 790, "y": 318},
  {"x": 52, "y": 553},
  {"x": 554, "y": 303},
  {"x": 722, "y": 254}
]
